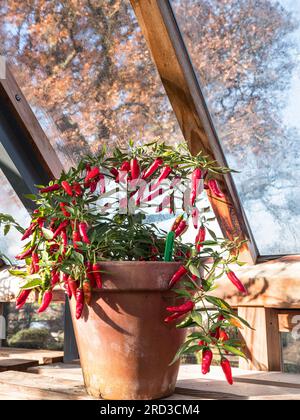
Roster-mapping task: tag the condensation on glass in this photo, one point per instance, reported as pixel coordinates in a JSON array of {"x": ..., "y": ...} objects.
[
  {"x": 10, "y": 244},
  {"x": 246, "y": 56},
  {"x": 87, "y": 74}
]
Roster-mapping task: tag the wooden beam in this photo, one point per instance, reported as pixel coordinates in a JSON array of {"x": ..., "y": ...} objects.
[
  {"x": 274, "y": 284},
  {"x": 176, "y": 71},
  {"x": 262, "y": 344},
  {"x": 17, "y": 104}
]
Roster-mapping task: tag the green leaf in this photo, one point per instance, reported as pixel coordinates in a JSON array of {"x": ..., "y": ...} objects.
[
  {"x": 194, "y": 270},
  {"x": 187, "y": 322},
  {"x": 212, "y": 234},
  {"x": 32, "y": 284},
  {"x": 78, "y": 257},
  {"x": 30, "y": 196},
  {"x": 6, "y": 229},
  {"x": 218, "y": 302},
  {"x": 197, "y": 317},
  {"x": 18, "y": 273},
  {"x": 234, "y": 350},
  {"x": 48, "y": 234},
  {"x": 181, "y": 351}
]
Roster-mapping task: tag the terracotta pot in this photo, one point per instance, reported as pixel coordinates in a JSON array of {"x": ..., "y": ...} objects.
[{"x": 124, "y": 345}]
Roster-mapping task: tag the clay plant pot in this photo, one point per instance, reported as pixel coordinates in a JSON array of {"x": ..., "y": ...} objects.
[{"x": 124, "y": 345}]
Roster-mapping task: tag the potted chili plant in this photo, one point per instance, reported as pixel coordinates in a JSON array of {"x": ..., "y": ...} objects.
[{"x": 134, "y": 288}]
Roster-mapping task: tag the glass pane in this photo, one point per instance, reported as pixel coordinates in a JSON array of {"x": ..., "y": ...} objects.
[
  {"x": 10, "y": 243},
  {"x": 246, "y": 56},
  {"x": 30, "y": 330},
  {"x": 290, "y": 352},
  {"x": 87, "y": 74}
]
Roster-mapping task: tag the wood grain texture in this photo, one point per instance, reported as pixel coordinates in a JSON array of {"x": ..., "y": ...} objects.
[
  {"x": 16, "y": 364},
  {"x": 177, "y": 75},
  {"x": 25, "y": 117},
  {"x": 42, "y": 356},
  {"x": 262, "y": 343},
  {"x": 274, "y": 284}
]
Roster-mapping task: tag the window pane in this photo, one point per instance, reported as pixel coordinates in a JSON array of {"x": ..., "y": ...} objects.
[
  {"x": 10, "y": 244},
  {"x": 87, "y": 74},
  {"x": 30, "y": 330},
  {"x": 290, "y": 352},
  {"x": 246, "y": 56}
]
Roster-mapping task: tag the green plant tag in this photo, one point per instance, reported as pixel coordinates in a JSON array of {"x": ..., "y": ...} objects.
[{"x": 169, "y": 246}]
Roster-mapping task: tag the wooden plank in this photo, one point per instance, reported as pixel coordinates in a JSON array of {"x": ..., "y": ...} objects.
[
  {"x": 272, "y": 284},
  {"x": 176, "y": 71},
  {"x": 65, "y": 389},
  {"x": 38, "y": 140},
  {"x": 70, "y": 371},
  {"x": 42, "y": 356},
  {"x": 20, "y": 365},
  {"x": 287, "y": 320},
  {"x": 262, "y": 343}
]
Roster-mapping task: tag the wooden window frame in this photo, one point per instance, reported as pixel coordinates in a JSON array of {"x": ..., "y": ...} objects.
[{"x": 171, "y": 58}]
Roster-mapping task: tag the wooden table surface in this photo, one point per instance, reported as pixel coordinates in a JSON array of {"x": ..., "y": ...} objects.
[{"x": 61, "y": 381}]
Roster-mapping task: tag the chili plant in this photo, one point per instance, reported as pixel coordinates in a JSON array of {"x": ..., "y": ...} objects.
[{"x": 99, "y": 211}]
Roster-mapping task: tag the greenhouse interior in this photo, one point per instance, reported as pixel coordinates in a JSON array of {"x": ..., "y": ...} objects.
[{"x": 134, "y": 262}]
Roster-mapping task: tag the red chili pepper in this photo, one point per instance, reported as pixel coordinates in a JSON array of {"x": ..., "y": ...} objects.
[
  {"x": 21, "y": 299},
  {"x": 114, "y": 172},
  {"x": 214, "y": 188},
  {"x": 97, "y": 275},
  {"x": 225, "y": 364},
  {"x": 28, "y": 232},
  {"x": 51, "y": 188},
  {"x": 64, "y": 211},
  {"x": 152, "y": 168},
  {"x": 60, "y": 228},
  {"x": 54, "y": 278},
  {"x": 200, "y": 238},
  {"x": 237, "y": 282},
  {"x": 93, "y": 173},
  {"x": 83, "y": 232},
  {"x": 73, "y": 285},
  {"x": 172, "y": 317},
  {"x": 52, "y": 224},
  {"x": 35, "y": 261},
  {"x": 79, "y": 302},
  {"x": 163, "y": 175},
  {"x": 47, "y": 298},
  {"x": 64, "y": 239},
  {"x": 178, "y": 275},
  {"x": 207, "y": 357},
  {"x": 196, "y": 176},
  {"x": 195, "y": 217},
  {"x": 76, "y": 238},
  {"x": 183, "y": 309},
  {"x": 53, "y": 248},
  {"x": 89, "y": 274},
  {"x": 93, "y": 186},
  {"x": 223, "y": 336},
  {"x": 176, "y": 223},
  {"x": 25, "y": 254},
  {"x": 182, "y": 227},
  {"x": 67, "y": 187},
  {"x": 134, "y": 169},
  {"x": 77, "y": 189},
  {"x": 41, "y": 221}
]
